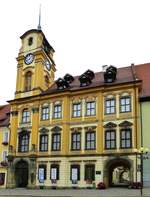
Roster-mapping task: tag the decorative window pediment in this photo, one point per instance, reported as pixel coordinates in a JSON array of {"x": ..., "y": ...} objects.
[
  {"x": 125, "y": 124},
  {"x": 56, "y": 129},
  {"x": 76, "y": 129},
  {"x": 23, "y": 130},
  {"x": 44, "y": 130},
  {"x": 90, "y": 128},
  {"x": 110, "y": 125}
]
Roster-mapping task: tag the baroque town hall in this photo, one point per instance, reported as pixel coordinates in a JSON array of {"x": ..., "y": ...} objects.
[{"x": 75, "y": 131}]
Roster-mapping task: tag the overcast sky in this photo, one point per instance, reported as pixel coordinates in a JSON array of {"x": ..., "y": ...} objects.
[{"x": 85, "y": 34}]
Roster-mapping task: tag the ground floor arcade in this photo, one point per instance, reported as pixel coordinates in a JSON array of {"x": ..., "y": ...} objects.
[{"x": 66, "y": 172}]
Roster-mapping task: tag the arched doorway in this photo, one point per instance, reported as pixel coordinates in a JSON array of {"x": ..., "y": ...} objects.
[
  {"x": 118, "y": 172},
  {"x": 21, "y": 173}
]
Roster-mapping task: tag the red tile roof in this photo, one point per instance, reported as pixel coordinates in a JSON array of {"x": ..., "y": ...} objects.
[
  {"x": 143, "y": 72},
  {"x": 4, "y": 115},
  {"x": 124, "y": 75}
]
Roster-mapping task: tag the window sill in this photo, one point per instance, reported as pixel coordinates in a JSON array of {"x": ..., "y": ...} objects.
[
  {"x": 75, "y": 151},
  {"x": 76, "y": 116},
  {"x": 125, "y": 112},
  {"x": 44, "y": 120}
]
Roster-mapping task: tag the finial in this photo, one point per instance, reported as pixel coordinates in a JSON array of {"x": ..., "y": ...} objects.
[{"x": 39, "y": 25}]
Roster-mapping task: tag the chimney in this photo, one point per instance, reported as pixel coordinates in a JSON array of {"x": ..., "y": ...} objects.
[{"x": 104, "y": 67}]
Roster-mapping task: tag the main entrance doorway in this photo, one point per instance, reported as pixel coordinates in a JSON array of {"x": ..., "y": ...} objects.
[
  {"x": 21, "y": 173},
  {"x": 118, "y": 173}
]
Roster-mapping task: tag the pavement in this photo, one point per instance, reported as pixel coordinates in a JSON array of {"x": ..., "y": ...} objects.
[{"x": 111, "y": 192}]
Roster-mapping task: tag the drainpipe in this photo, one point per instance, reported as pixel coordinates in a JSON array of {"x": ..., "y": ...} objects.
[
  {"x": 141, "y": 120},
  {"x": 135, "y": 79}
]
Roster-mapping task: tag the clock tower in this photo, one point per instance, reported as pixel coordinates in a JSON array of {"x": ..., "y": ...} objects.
[{"x": 36, "y": 67}]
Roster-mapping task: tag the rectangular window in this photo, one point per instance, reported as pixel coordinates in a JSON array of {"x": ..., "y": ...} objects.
[
  {"x": 90, "y": 172},
  {"x": 5, "y": 137},
  {"x": 110, "y": 139},
  {"x": 4, "y": 155},
  {"x": 90, "y": 140},
  {"x": 43, "y": 142},
  {"x": 23, "y": 143},
  {"x": 76, "y": 141},
  {"x": 110, "y": 106},
  {"x": 2, "y": 179},
  {"x": 76, "y": 110},
  {"x": 90, "y": 108},
  {"x": 126, "y": 138},
  {"x": 25, "y": 116},
  {"x": 57, "y": 111},
  {"x": 125, "y": 104},
  {"x": 42, "y": 171},
  {"x": 56, "y": 139},
  {"x": 54, "y": 172},
  {"x": 45, "y": 113},
  {"x": 74, "y": 173}
]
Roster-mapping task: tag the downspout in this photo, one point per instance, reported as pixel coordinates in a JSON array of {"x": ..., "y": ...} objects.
[
  {"x": 135, "y": 106},
  {"x": 141, "y": 120}
]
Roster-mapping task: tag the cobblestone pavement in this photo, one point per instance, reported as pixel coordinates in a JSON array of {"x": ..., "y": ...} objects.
[{"x": 111, "y": 192}]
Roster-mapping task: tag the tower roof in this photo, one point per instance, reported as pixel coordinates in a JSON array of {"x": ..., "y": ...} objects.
[{"x": 37, "y": 31}]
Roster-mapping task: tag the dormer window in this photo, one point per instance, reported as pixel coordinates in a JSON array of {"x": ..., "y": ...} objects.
[
  {"x": 84, "y": 80},
  {"x": 61, "y": 84},
  {"x": 30, "y": 41},
  {"x": 68, "y": 78},
  {"x": 110, "y": 74},
  {"x": 90, "y": 74}
]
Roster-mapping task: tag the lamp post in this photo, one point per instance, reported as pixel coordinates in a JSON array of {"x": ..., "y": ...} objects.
[
  {"x": 143, "y": 155},
  {"x": 141, "y": 159}
]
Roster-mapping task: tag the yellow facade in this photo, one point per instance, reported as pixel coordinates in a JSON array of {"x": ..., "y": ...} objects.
[
  {"x": 28, "y": 106},
  {"x": 4, "y": 141}
]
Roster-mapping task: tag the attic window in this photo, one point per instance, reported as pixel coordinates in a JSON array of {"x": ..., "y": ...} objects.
[
  {"x": 84, "y": 80},
  {"x": 30, "y": 41},
  {"x": 61, "y": 84},
  {"x": 90, "y": 74},
  {"x": 68, "y": 78},
  {"x": 110, "y": 74}
]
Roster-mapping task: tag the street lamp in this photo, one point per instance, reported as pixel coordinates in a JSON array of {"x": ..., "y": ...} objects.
[{"x": 143, "y": 152}]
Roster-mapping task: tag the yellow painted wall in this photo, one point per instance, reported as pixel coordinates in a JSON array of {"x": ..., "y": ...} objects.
[{"x": 3, "y": 148}]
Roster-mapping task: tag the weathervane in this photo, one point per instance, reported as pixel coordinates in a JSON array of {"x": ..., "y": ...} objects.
[{"x": 39, "y": 25}]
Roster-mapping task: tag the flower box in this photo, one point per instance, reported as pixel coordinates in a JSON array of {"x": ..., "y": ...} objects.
[
  {"x": 88, "y": 181},
  {"x": 5, "y": 143},
  {"x": 101, "y": 185},
  {"x": 135, "y": 185},
  {"x": 4, "y": 163}
]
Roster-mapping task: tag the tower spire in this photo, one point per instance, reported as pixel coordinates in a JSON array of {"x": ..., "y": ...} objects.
[{"x": 39, "y": 25}]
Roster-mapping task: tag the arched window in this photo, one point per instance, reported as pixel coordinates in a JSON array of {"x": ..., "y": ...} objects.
[
  {"x": 30, "y": 41},
  {"x": 25, "y": 116},
  {"x": 46, "y": 81},
  {"x": 28, "y": 81}
]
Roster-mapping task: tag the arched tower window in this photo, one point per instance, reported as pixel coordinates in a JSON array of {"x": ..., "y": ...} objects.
[
  {"x": 28, "y": 81},
  {"x": 46, "y": 81}
]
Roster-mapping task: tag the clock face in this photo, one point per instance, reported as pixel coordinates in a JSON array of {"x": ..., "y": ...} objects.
[
  {"x": 29, "y": 58},
  {"x": 47, "y": 64}
]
